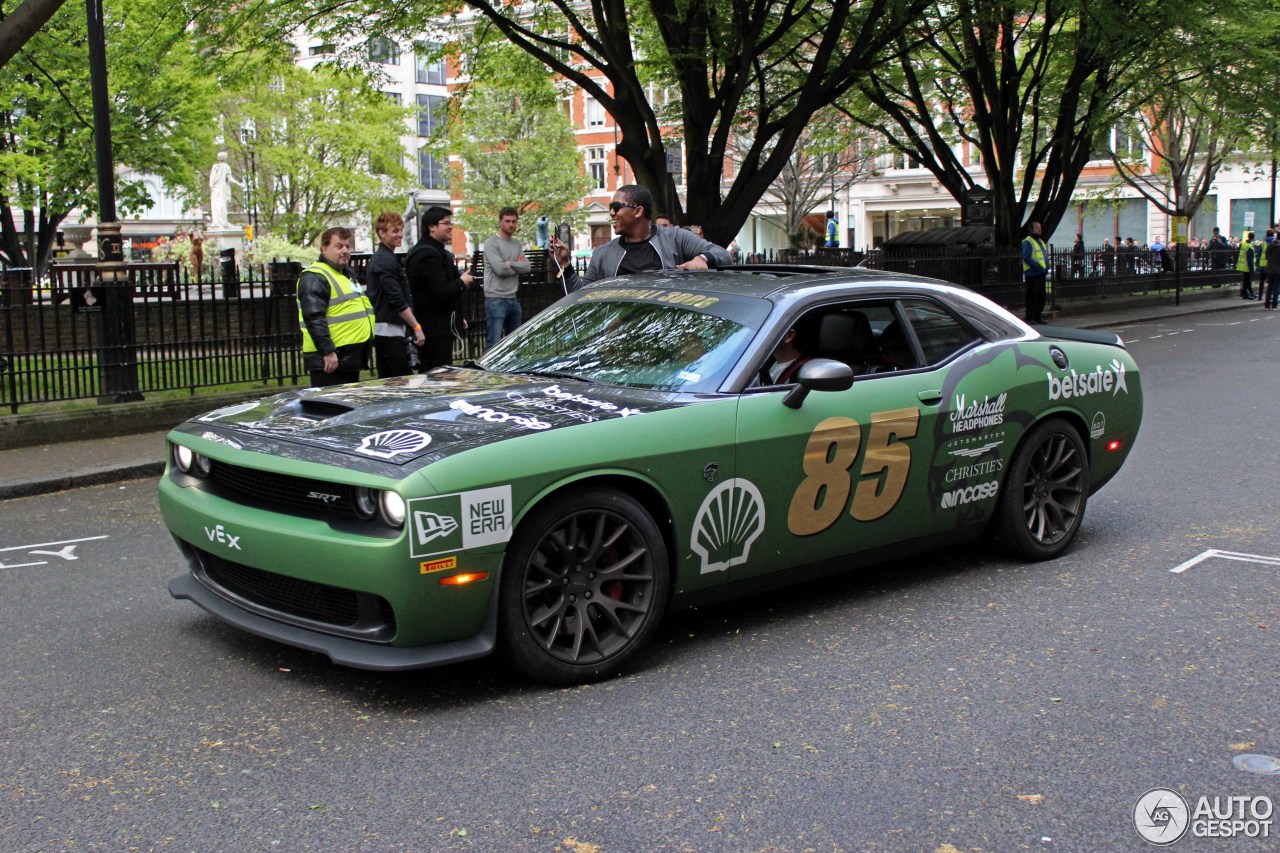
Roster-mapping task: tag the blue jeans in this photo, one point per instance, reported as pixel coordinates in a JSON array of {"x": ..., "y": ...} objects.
[{"x": 502, "y": 317}]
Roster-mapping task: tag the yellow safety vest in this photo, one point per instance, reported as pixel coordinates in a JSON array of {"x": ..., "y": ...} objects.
[
  {"x": 350, "y": 313},
  {"x": 1242, "y": 263},
  {"x": 1037, "y": 254}
]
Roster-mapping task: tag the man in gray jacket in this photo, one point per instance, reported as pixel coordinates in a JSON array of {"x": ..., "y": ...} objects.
[
  {"x": 504, "y": 261},
  {"x": 641, "y": 246}
]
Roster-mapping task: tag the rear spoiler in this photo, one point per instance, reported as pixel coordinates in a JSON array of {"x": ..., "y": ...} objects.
[{"x": 1088, "y": 336}]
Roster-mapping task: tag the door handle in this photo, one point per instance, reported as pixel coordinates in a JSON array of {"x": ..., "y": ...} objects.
[{"x": 930, "y": 398}]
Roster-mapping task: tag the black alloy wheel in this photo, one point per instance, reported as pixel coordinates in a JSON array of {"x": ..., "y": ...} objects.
[
  {"x": 584, "y": 587},
  {"x": 1045, "y": 492}
]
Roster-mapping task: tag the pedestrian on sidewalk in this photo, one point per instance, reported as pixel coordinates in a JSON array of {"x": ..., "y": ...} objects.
[
  {"x": 335, "y": 315},
  {"x": 1273, "y": 275},
  {"x": 437, "y": 288},
  {"x": 1245, "y": 261},
  {"x": 504, "y": 263},
  {"x": 1035, "y": 270},
  {"x": 396, "y": 331}
]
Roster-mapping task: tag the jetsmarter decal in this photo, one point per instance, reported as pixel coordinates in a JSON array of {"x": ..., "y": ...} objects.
[
  {"x": 393, "y": 442},
  {"x": 828, "y": 459},
  {"x": 451, "y": 523},
  {"x": 731, "y": 518},
  {"x": 975, "y": 452},
  {"x": 1100, "y": 380},
  {"x": 977, "y": 415}
]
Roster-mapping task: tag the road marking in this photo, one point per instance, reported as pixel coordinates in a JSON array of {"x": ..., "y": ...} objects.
[
  {"x": 1225, "y": 555},
  {"x": 66, "y": 552},
  {"x": 47, "y": 544}
]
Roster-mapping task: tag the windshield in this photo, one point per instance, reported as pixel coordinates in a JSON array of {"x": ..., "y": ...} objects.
[{"x": 640, "y": 344}]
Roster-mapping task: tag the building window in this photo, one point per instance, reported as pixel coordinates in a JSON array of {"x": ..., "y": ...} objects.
[
  {"x": 393, "y": 97},
  {"x": 431, "y": 171},
  {"x": 595, "y": 112},
  {"x": 383, "y": 50},
  {"x": 431, "y": 67},
  {"x": 320, "y": 50},
  {"x": 431, "y": 111},
  {"x": 596, "y": 165}
]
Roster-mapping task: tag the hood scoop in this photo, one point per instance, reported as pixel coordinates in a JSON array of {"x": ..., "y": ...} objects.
[{"x": 321, "y": 409}]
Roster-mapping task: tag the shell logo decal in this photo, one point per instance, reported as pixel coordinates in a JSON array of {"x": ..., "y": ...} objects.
[
  {"x": 393, "y": 442},
  {"x": 730, "y": 519}
]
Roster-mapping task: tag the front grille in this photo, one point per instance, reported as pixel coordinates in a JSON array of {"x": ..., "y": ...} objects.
[
  {"x": 361, "y": 614},
  {"x": 283, "y": 490}
]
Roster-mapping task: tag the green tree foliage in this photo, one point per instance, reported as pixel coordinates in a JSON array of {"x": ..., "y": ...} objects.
[
  {"x": 769, "y": 63},
  {"x": 517, "y": 145},
  {"x": 161, "y": 119},
  {"x": 1028, "y": 86},
  {"x": 315, "y": 147}
]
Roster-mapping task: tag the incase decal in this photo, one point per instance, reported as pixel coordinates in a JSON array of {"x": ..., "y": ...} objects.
[
  {"x": 969, "y": 494},
  {"x": 459, "y": 521},
  {"x": 393, "y": 442},
  {"x": 227, "y": 411},
  {"x": 730, "y": 519},
  {"x": 213, "y": 436},
  {"x": 494, "y": 416},
  {"x": 1100, "y": 380}
]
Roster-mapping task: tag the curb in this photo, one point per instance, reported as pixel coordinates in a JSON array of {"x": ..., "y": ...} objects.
[{"x": 102, "y": 476}]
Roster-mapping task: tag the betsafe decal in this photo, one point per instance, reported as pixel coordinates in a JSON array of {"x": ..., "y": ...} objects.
[{"x": 1100, "y": 380}]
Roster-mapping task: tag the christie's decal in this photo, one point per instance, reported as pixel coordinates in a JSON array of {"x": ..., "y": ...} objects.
[
  {"x": 459, "y": 521},
  {"x": 1100, "y": 380},
  {"x": 977, "y": 469},
  {"x": 975, "y": 415}
]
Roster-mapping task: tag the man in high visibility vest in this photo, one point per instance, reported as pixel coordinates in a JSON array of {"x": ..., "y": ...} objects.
[
  {"x": 335, "y": 316},
  {"x": 1246, "y": 262},
  {"x": 1035, "y": 268}
]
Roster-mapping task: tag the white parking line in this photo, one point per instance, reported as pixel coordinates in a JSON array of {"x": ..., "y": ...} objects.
[
  {"x": 47, "y": 544},
  {"x": 1224, "y": 555}
]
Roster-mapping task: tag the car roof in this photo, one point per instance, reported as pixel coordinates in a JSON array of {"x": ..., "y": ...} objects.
[{"x": 781, "y": 283}]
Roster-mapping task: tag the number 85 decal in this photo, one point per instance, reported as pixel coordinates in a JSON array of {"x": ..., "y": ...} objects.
[{"x": 828, "y": 457}]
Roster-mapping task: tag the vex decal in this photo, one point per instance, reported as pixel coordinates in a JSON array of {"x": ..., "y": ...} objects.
[
  {"x": 459, "y": 521},
  {"x": 730, "y": 519}
]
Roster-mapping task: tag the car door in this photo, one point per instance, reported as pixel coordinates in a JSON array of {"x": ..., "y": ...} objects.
[{"x": 847, "y": 470}]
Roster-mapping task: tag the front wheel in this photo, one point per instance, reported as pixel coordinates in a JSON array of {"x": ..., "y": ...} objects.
[
  {"x": 1044, "y": 496},
  {"x": 584, "y": 587}
]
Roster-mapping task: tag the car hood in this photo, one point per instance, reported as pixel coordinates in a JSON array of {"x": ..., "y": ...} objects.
[{"x": 420, "y": 418}]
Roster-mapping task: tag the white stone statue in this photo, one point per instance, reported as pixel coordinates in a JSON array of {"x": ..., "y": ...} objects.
[{"x": 220, "y": 181}]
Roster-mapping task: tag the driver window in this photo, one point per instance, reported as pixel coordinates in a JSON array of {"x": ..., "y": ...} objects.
[{"x": 864, "y": 335}]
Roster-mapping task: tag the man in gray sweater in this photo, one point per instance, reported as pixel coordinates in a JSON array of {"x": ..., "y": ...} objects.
[
  {"x": 641, "y": 245},
  {"x": 504, "y": 261}
]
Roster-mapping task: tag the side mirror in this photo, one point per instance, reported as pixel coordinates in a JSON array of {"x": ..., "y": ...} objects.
[{"x": 819, "y": 374}]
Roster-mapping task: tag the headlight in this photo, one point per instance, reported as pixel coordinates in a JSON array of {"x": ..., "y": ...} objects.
[
  {"x": 182, "y": 457},
  {"x": 392, "y": 508},
  {"x": 201, "y": 465},
  {"x": 366, "y": 503}
]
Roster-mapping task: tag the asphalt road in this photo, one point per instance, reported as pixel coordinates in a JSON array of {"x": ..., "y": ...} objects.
[{"x": 958, "y": 702}]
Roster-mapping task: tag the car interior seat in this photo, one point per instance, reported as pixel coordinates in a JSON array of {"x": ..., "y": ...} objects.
[
  {"x": 846, "y": 336},
  {"x": 895, "y": 349}
]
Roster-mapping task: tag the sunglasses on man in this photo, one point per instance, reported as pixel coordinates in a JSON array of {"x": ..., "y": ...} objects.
[{"x": 615, "y": 206}]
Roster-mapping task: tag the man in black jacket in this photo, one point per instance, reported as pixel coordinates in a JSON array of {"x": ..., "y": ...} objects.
[
  {"x": 388, "y": 290},
  {"x": 437, "y": 287}
]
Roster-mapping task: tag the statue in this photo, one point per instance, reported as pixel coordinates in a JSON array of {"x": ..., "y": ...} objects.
[{"x": 220, "y": 181}]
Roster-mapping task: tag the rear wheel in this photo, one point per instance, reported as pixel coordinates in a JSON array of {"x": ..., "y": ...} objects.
[
  {"x": 584, "y": 587},
  {"x": 1045, "y": 492}
]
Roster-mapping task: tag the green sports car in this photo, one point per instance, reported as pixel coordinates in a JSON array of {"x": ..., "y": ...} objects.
[{"x": 645, "y": 443}]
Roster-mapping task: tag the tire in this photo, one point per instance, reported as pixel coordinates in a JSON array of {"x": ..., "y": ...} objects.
[
  {"x": 584, "y": 587},
  {"x": 1045, "y": 493}
]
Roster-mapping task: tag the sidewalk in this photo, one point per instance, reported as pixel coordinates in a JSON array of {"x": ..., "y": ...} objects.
[{"x": 73, "y": 464}]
